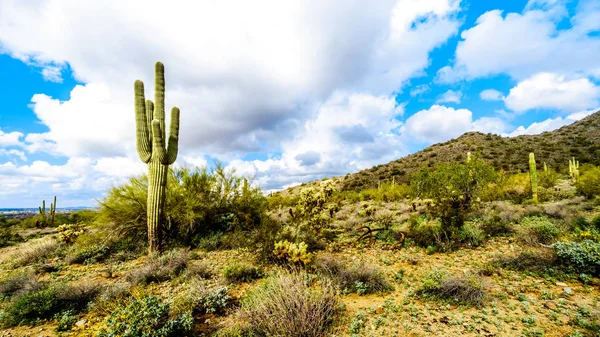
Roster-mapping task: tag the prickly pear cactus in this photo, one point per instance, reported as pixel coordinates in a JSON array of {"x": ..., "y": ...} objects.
[{"x": 154, "y": 149}]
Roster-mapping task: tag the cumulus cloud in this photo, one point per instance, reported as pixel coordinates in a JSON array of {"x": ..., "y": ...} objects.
[
  {"x": 440, "y": 123},
  {"x": 349, "y": 132},
  {"x": 553, "y": 91},
  {"x": 550, "y": 124},
  {"x": 419, "y": 90},
  {"x": 491, "y": 95},
  {"x": 10, "y": 138},
  {"x": 246, "y": 76},
  {"x": 450, "y": 96},
  {"x": 13, "y": 152},
  {"x": 523, "y": 44}
]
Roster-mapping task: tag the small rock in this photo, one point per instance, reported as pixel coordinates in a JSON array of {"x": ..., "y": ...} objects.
[
  {"x": 378, "y": 310},
  {"x": 552, "y": 305},
  {"x": 561, "y": 284},
  {"x": 80, "y": 323},
  {"x": 567, "y": 292}
]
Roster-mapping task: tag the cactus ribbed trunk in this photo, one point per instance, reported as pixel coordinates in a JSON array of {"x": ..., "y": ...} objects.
[
  {"x": 154, "y": 150},
  {"x": 533, "y": 176}
]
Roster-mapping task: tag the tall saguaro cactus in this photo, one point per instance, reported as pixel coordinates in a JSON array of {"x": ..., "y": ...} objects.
[
  {"x": 533, "y": 176},
  {"x": 154, "y": 150}
]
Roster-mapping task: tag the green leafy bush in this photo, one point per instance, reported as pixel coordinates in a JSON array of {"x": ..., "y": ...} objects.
[
  {"x": 588, "y": 184},
  {"x": 146, "y": 317},
  {"x": 585, "y": 255},
  {"x": 538, "y": 229},
  {"x": 198, "y": 202},
  {"x": 240, "y": 272},
  {"x": 8, "y": 238},
  {"x": 454, "y": 189}
]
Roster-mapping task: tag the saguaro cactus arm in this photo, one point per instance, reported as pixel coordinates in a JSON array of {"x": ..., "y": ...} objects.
[
  {"x": 158, "y": 147},
  {"x": 144, "y": 147},
  {"x": 173, "y": 137}
]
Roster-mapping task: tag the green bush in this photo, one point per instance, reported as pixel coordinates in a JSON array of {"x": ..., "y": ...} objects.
[
  {"x": 146, "y": 317},
  {"x": 471, "y": 235},
  {"x": 584, "y": 256},
  {"x": 240, "y": 272},
  {"x": 8, "y": 238},
  {"x": 588, "y": 184},
  {"x": 45, "y": 301},
  {"x": 198, "y": 202},
  {"x": 454, "y": 189},
  {"x": 425, "y": 231},
  {"x": 538, "y": 229}
]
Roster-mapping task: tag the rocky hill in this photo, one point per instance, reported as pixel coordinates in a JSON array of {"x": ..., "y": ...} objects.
[{"x": 580, "y": 140}]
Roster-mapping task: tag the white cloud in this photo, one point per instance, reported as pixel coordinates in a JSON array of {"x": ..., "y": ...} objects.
[
  {"x": 256, "y": 77},
  {"x": 491, "y": 95},
  {"x": 10, "y": 138},
  {"x": 450, "y": 96},
  {"x": 440, "y": 123},
  {"x": 522, "y": 45},
  {"x": 350, "y": 132},
  {"x": 550, "y": 124},
  {"x": 52, "y": 74},
  {"x": 419, "y": 89},
  {"x": 553, "y": 91},
  {"x": 13, "y": 152}
]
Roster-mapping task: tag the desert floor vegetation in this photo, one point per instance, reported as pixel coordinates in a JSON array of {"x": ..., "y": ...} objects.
[{"x": 474, "y": 258}]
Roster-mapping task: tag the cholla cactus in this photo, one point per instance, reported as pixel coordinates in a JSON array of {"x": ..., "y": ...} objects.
[
  {"x": 574, "y": 169},
  {"x": 291, "y": 252},
  {"x": 153, "y": 149},
  {"x": 533, "y": 176}
]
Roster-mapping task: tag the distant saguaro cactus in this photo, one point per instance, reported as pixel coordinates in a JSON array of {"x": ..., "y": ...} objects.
[
  {"x": 154, "y": 150},
  {"x": 46, "y": 218},
  {"x": 533, "y": 176},
  {"x": 574, "y": 169}
]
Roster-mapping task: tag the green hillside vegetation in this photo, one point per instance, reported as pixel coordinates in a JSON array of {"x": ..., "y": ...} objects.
[{"x": 501, "y": 241}]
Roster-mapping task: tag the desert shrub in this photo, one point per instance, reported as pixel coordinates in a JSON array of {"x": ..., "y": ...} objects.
[
  {"x": 240, "y": 272},
  {"x": 285, "y": 305},
  {"x": 199, "y": 269},
  {"x": 47, "y": 301},
  {"x": 89, "y": 255},
  {"x": 160, "y": 268},
  {"x": 538, "y": 229},
  {"x": 196, "y": 298},
  {"x": 494, "y": 225},
  {"x": 548, "y": 179},
  {"x": 471, "y": 235},
  {"x": 454, "y": 188},
  {"x": 36, "y": 252},
  {"x": 588, "y": 183},
  {"x": 8, "y": 238},
  {"x": 16, "y": 283},
  {"x": 467, "y": 290},
  {"x": 66, "y": 320},
  {"x": 516, "y": 187},
  {"x": 584, "y": 256},
  {"x": 425, "y": 231},
  {"x": 146, "y": 317},
  {"x": 360, "y": 278},
  {"x": 529, "y": 260},
  {"x": 198, "y": 202}
]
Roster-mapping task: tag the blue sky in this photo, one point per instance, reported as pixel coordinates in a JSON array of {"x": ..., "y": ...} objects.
[{"x": 285, "y": 92}]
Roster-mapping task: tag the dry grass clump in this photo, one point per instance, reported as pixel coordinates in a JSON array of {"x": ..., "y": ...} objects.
[
  {"x": 162, "y": 268},
  {"x": 35, "y": 252},
  {"x": 464, "y": 289},
  {"x": 16, "y": 284},
  {"x": 358, "y": 278},
  {"x": 529, "y": 260},
  {"x": 240, "y": 272},
  {"x": 286, "y": 305},
  {"x": 199, "y": 269}
]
